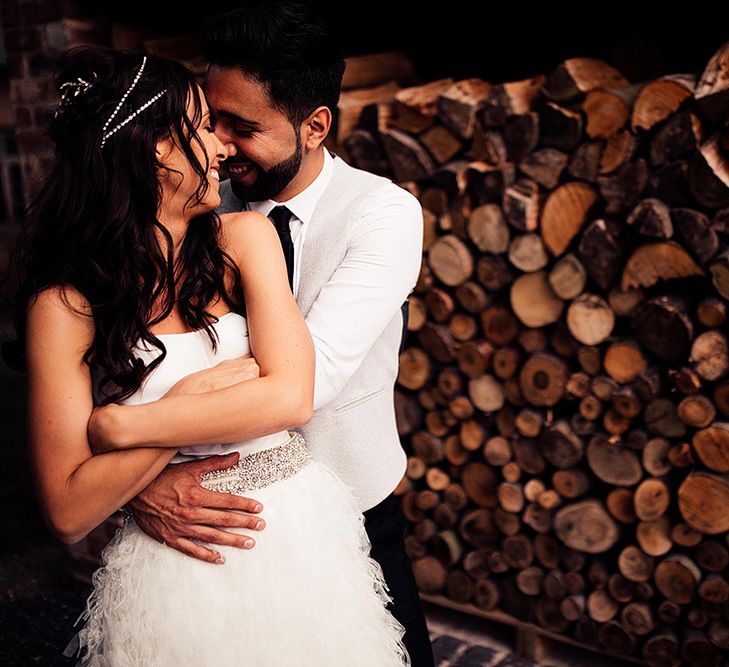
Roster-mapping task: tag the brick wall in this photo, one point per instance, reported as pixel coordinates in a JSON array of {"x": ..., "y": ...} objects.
[{"x": 36, "y": 32}]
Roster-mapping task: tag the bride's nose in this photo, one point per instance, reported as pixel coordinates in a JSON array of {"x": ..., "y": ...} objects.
[{"x": 225, "y": 149}]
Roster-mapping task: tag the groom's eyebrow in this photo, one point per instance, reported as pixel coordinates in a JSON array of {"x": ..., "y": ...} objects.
[{"x": 236, "y": 117}]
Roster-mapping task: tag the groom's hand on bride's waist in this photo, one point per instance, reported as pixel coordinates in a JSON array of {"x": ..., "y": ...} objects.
[{"x": 176, "y": 509}]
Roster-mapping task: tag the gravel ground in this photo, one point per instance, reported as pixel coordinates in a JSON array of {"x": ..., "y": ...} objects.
[
  {"x": 39, "y": 603},
  {"x": 39, "y": 600}
]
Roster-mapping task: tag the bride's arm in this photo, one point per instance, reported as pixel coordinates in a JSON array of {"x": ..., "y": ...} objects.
[
  {"x": 77, "y": 491},
  {"x": 283, "y": 395}
]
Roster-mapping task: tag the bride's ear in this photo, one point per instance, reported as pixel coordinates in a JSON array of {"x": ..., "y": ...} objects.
[{"x": 163, "y": 149}]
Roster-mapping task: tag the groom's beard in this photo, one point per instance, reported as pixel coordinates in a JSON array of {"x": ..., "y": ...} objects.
[{"x": 269, "y": 184}]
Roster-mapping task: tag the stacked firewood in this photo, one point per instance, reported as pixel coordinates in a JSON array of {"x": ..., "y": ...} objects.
[{"x": 564, "y": 390}]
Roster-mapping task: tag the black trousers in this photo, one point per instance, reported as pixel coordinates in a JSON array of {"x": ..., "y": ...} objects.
[{"x": 386, "y": 528}]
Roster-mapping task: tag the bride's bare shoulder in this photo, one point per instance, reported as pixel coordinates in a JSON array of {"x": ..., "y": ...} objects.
[
  {"x": 60, "y": 310},
  {"x": 61, "y": 297},
  {"x": 245, "y": 229}
]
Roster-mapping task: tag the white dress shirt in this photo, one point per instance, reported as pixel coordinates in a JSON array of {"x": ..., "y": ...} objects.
[{"x": 378, "y": 273}]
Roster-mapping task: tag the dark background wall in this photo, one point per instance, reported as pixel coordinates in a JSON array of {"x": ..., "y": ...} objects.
[{"x": 497, "y": 41}]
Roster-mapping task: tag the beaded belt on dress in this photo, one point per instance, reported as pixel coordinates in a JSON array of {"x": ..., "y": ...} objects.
[{"x": 260, "y": 469}]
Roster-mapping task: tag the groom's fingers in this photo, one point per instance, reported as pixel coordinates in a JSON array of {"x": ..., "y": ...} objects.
[
  {"x": 190, "y": 545},
  {"x": 190, "y": 548},
  {"x": 227, "y": 501},
  {"x": 211, "y": 535},
  {"x": 224, "y": 519}
]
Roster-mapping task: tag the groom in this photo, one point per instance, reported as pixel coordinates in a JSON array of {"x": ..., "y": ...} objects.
[{"x": 353, "y": 242}]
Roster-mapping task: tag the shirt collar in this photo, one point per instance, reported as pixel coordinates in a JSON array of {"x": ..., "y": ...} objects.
[{"x": 303, "y": 204}]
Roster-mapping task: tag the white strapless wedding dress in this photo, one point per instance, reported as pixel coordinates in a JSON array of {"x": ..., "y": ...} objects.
[{"x": 308, "y": 594}]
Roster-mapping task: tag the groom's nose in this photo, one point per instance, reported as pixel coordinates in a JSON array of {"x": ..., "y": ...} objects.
[{"x": 231, "y": 148}]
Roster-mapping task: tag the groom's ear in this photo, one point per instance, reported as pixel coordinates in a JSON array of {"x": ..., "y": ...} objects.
[{"x": 316, "y": 127}]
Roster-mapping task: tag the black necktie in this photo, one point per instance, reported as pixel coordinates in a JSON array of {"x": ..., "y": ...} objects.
[{"x": 280, "y": 217}]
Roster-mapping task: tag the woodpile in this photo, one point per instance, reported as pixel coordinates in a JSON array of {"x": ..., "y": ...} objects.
[{"x": 564, "y": 390}]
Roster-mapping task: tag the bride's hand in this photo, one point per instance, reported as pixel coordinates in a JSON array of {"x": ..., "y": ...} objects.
[
  {"x": 104, "y": 433},
  {"x": 220, "y": 376},
  {"x": 101, "y": 430}
]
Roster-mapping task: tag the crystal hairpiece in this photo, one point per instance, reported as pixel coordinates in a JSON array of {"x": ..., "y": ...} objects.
[
  {"x": 106, "y": 134},
  {"x": 71, "y": 89}
]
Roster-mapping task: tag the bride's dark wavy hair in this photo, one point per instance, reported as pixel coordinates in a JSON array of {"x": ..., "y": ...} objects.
[{"x": 92, "y": 226}]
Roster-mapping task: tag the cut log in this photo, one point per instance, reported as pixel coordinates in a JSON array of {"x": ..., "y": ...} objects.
[
  {"x": 710, "y": 355},
  {"x": 652, "y": 498},
  {"x": 480, "y": 484},
  {"x": 652, "y": 218},
  {"x": 677, "y": 578},
  {"x": 458, "y": 105},
  {"x": 486, "y": 393},
  {"x": 702, "y": 501},
  {"x": 590, "y": 319},
  {"x": 533, "y": 300},
  {"x": 601, "y": 249},
  {"x": 494, "y": 273},
  {"x": 697, "y": 411},
  {"x": 543, "y": 379},
  {"x": 450, "y": 260},
  {"x": 408, "y": 160},
  {"x": 601, "y": 607},
  {"x": 430, "y": 574},
  {"x": 712, "y": 89},
  {"x": 477, "y": 528},
  {"x": 567, "y": 277},
  {"x": 662, "y": 326},
  {"x": 440, "y": 143},
  {"x": 622, "y": 188},
  {"x": 694, "y": 230},
  {"x": 527, "y": 253},
  {"x": 613, "y": 463},
  {"x": 586, "y": 526},
  {"x": 414, "y": 368},
  {"x": 712, "y": 446},
  {"x": 565, "y": 212},
  {"x": 563, "y": 449},
  {"x": 488, "y": 230},
  {"x": 545, "y": 166},
  {"x": 521, "y": 204},
  {"x": 416, "y": 107},
  {"x": 577, "y": 76},
  {"x": 659, "y": 99}
]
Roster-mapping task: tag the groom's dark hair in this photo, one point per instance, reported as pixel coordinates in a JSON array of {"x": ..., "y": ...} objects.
[{"x": 286, "y": 47}]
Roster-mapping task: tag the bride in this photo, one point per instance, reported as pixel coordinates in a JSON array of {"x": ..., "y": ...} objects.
[{"x": 140, "y": 308}]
